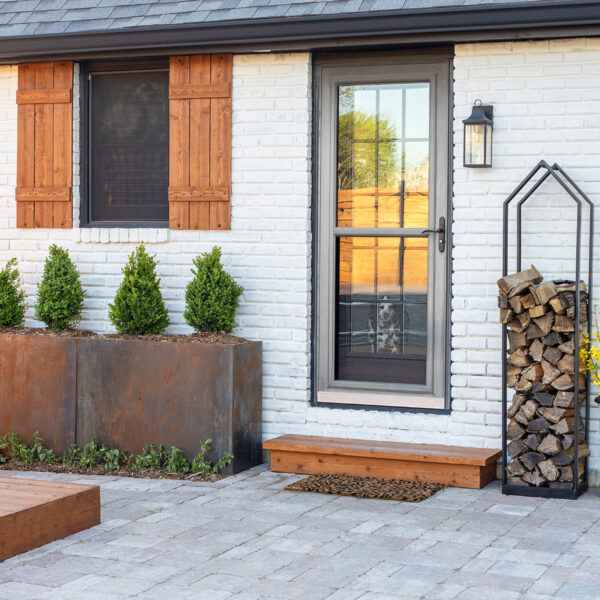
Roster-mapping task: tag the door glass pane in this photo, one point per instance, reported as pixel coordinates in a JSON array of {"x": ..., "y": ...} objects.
[
  {"x": 381, "y": 312},
  {"x": 383, "y": 155}
]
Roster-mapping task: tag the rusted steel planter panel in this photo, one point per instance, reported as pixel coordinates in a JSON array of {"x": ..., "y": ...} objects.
[
  {"x": 132, "y": 392},
  {"x": 37, "y": 388},
  {"x": 129, "y": 393}
]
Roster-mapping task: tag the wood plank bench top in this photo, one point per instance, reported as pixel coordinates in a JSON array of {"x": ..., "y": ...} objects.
[
  {"x": 393, "y": 450},
  {"x": 34, "y": 513}
]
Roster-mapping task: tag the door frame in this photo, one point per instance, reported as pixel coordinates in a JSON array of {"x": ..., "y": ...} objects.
[{"x": 436, "y": 65}]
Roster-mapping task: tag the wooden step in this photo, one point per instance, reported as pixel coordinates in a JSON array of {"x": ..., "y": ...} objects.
[
  {"x": 456, "y": 466},
  {"x": 34, "y": 513}
]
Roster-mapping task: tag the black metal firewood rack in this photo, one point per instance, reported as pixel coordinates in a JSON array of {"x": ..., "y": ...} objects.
[{"x": 581, "y": 200}]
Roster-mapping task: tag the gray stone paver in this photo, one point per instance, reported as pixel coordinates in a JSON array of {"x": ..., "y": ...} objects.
[{"x": 245, "y": 538}]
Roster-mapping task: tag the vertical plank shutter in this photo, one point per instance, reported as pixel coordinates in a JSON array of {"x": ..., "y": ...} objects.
[
  {"x": 45, "y": 145},
  {"x": 200, "y": 142}
]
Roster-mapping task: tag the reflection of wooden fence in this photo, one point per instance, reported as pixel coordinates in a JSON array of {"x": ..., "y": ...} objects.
[
  {"x": 382, "y": 265},
  {"x": 382, "y": 207}
]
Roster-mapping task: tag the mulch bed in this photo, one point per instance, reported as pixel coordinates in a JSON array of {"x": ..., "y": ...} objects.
[
  {"x": 16, "y": 466},
  {"x": 193, "y": 338},
  {"x": 367, "y": 487}
]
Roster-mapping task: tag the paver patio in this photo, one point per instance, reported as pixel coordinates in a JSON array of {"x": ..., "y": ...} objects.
[{"x": 244, "y": 537}]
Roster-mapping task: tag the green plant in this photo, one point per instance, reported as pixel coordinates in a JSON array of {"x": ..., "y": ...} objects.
[
  {"x": 139, "y": 307},
  {"x": 41, "y": 453},
  {"x": 12, "y": 296},
  {"x": 60, "y": 295},
  {"x": 3, "y": 457},
  {"x": 72, "y": 457},
  {"x": 151, "y": 459},
  {"x": 202, "y": 466},
  {"x": 111, "y": 458},
  {"x": 176, "y": 462},
  {"x": 17, "y": 450},
  {"x": 212, "y": 296}
]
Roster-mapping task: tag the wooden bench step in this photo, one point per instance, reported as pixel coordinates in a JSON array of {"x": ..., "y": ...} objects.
[
  {"x": 456, "y": 466},
  {"x": 34, "y": 513}
]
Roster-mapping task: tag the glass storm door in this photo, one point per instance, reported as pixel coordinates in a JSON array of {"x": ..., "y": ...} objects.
[{"x": 381, "y": 284}]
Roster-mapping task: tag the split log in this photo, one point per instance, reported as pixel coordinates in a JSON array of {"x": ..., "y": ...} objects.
[
  {"x": 539, "y": 425},
  {"x": 527, "y": 301},
  {"x": 549, "y": 470},
  {"x": 517, "y": 340},
  {"x": 536, "y": 350},
  {"x": 506, "y": 315},
  {"x": 531, "y": 459},
  {"x": 552, "y": 354},
  {"x": 562, "y": 459},
  {"x": 514, "y": 431},
  {"x": 554, "y": 339},
  {"x": 510, "y": 282},
  {"x": 568, "y": 347},
  {"x": 529, "y": 409},
  {"x": 550, "y": 372},
  {"x": 553, "y": 414},
  {"x": 544, "y": 398},
  {"x": 518, "y": 358},
  {"x": 565, "y": 400},
  {"x": 534, "y": 372},
  {"x": 517, "y": 401},
  {"x": 563, "y": 324},
  {"x": 521, "y": 418},
  {"x": 523, "y": 386},
  {"x": 538, "y": 311},
  {"x": 533, "y": 332},
  {"x": 557, "y": 305},
  {"x": 533, "y": 440},
  {"x": 563, "y": 383},
  {"x": 534, "y": 478},
  {"x": 566, "y": 425},
  {"x": 516, "y": 468},
  {"x": 515, "y": 448},
  {"x": 568, "y": 440},
  {"x": 545, "y": 323},
  {"x": 550, "y": 445},
  {"x": 503, "y": 301},
  {"x": 546, "y": 291},
  {"x": 582, "y": 451},
  {"x": 567, "y": 364},
  {"x": 515, "y": 303}
]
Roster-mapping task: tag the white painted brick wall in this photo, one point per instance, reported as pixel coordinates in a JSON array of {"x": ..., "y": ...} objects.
[
  {"x": 267, "y": 250},
  {"x": 547, "y": 104},
  {"x": 546, "y": 98}
]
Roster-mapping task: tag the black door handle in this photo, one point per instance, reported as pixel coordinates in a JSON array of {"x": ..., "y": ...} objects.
[{"x": 441, "y": 231}]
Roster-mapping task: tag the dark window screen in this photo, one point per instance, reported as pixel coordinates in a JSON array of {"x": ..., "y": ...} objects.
[{"x": 129, "y": 146}]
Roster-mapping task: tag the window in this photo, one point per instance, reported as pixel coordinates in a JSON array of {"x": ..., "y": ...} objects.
[
  {"x": 127, "y": 146},
  {"x": 381, "y": 271}
]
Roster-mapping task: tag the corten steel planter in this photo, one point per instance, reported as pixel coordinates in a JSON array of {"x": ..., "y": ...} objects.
[
  {"x": 37, "y": 388},
  {"x": 129, "y": 393},
  {"x": 132, "y": 392}
]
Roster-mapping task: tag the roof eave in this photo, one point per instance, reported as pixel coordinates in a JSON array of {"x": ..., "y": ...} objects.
[{"x": 469, "y": 23}]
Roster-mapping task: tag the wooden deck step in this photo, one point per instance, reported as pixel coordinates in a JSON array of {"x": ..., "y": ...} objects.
[
  {"x": 34, "y": 513},
  {"x": 456, "y": 466}
]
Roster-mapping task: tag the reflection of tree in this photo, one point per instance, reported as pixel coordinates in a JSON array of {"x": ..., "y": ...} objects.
[{"x": 373, "y": 162}]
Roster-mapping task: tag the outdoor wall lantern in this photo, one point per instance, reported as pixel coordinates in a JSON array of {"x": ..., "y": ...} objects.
[{"x": 477, "y": 147}]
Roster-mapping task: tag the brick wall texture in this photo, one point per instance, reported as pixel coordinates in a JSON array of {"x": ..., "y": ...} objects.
[{"x": 546, "y": 97}]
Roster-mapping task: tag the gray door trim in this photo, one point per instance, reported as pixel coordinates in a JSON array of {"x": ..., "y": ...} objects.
[{"x": 329, "y": 73}]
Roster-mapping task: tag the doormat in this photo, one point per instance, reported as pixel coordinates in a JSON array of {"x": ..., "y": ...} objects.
[{"x": 367, "y": 487}]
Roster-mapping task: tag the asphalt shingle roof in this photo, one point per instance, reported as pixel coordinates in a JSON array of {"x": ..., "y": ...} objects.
[{"x": 37, "y": 17}]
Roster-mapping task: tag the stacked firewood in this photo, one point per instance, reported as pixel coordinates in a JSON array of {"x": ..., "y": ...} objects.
[{"x": 541, "y": 368}]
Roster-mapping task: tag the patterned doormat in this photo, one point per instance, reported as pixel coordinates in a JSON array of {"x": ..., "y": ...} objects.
[{"x": 367, "y": 487}]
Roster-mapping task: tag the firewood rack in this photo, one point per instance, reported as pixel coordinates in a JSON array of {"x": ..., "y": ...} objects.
[{"x": 581, "y": 201}]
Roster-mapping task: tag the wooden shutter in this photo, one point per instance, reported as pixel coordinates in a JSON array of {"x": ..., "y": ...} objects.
[
  {"x": 45, "y": 145},
  {"x": 200, "y": 142}
]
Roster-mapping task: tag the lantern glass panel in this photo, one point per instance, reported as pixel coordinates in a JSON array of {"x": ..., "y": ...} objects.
[
  {"x": 475, "y": 144},
  {"x": 488, "y": 145}
]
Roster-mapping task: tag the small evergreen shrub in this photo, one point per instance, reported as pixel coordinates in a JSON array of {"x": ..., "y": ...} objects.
[
  {"x": 139, "y": 307},
  {"x": 212, "y": 296},
  {"x": 12, "y": 296},
  {"x": 60, "y": 295}
]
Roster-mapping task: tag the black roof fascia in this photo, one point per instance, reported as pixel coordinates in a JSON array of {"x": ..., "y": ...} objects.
[{"x": 473, "y": 23}]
